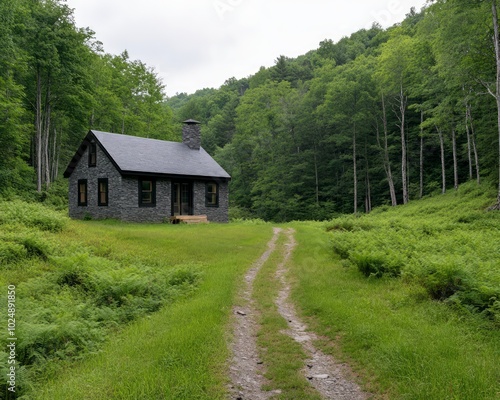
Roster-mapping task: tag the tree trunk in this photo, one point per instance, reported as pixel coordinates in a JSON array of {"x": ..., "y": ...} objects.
[
  {"x": 46, "y": 137},
  {"x": 385, "y": 148},
  {"x": 355, "y": 170},
  {"x": 473, "y": 141},
  {"x": 38, "y": 130},
  {"x": 421, "y": 162},
  {"x": 443, "y": 165},
  {"x": 55, "y": 157},
  {"x": 404, "y": 178},
  {"x": 469, "y": 140},
  {"x": 497, "y": 91},
  {"x": 368, "y": 198},
  {"x": 316, "y": 176},
  {"x": 455, "y": 161}
]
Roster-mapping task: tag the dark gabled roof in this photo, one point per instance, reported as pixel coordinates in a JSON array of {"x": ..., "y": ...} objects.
[{"x": 136, "y": 155}]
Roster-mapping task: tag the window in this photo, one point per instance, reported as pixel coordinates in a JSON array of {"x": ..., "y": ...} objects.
[
  {"x": 82, "y": 192},
  {"x": 212, "y": 194},
  {"x": 92, "y": 155},
  {"x": 102, "y": 195},
  {"x": 147, "y": 193}
]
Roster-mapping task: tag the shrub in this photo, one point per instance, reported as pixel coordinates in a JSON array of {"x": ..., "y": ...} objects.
[
  {"x": 494, "y": 312},
  {"x": 185, "y": 275},
  {"x": 57, "y": 195},
  {"x": 36, "y": 247},
  {"x": 75, "y": 276},
  {"x": 253, "y": 221},
  {"x": 32, "y": 215},
  {"x": 443, "y": 277},
  {"x": 33, "y": 244},
  {"x": 349, "y": 223},
  {"x": 341, "y": 245},
  {"x": 66, "y": 313},
  {"x": 237, "y": 213},
  {"x": 447, "y": 243},
  {"x": 377, "y": 264},
  {"x": 11, "y": 252},
  {"x": 142, "y": 288}
]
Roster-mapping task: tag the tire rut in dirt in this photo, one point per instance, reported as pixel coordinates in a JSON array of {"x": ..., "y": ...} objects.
[
  {"x": 326, "y": 375},
  {"x": 245, "y": 367}
]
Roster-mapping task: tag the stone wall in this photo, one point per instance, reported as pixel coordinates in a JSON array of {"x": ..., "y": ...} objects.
[
  {"x": 214, "y": 214},
  {"x": 130, "y": 209},
  {"x": 103, "y": 169}
]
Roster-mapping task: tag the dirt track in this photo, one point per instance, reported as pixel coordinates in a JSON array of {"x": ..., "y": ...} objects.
[{"x": 326, "y": 375}]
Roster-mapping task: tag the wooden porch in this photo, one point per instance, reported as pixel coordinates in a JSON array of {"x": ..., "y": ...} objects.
[{"x": 189, "y": 219}]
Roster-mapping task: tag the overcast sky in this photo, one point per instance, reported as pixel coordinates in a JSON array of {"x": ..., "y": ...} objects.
[{"x": 196, "y": 44}]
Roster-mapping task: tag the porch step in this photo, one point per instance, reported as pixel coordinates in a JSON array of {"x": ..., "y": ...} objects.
[{"x": 189, "y": 219}]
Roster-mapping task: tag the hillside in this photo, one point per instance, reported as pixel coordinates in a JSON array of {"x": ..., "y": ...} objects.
[
  {"x": 383, "y": 116},
  {"x": 412, "y": 298}
]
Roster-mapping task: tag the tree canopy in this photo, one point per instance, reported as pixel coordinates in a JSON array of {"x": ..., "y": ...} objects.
[
  {"x": 380, "y": 117},
  {"x": 56, "y": 83},
  {"x": 383, "y": 116}
]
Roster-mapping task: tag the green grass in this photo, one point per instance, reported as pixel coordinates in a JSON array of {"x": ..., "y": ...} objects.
[
  {"x": 282, "y": 356},
  {"x": 408, "y": 296},
  {"x": 405, "y": 341},
  {"x": 179, "y": 352},
  {"x": 113, "y": 310},
  {"x": 449, "y": 244}
]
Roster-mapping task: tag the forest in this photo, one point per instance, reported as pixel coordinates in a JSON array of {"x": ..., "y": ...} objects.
[{"x": 382, "y": 117}]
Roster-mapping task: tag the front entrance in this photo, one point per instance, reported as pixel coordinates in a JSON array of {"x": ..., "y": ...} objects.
[{"x": 182, "y": 198}]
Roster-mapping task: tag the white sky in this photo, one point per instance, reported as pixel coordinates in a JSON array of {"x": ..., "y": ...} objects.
[{"x": 196, "y": 44}]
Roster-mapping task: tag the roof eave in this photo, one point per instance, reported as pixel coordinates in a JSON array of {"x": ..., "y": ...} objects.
[
  {"x": 79, "y": 153},
  {"x": 175, "y": 176}
]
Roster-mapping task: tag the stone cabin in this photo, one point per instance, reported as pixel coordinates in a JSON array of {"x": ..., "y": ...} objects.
[{"x": 146, "y": 180}]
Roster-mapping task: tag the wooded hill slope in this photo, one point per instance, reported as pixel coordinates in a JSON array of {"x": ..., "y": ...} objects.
[{"x": 381, "y": 117}]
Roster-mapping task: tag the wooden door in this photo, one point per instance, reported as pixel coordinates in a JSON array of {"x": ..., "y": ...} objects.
[{"x": 182, "y": 198}]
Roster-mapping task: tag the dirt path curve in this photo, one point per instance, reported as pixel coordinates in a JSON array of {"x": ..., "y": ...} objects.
[
  {"x": 326, "y": 375},
  {"x": 245, "y": 370}
]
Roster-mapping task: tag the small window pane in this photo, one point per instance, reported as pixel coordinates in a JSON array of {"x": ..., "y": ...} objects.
[
  {"x": 147, "y": 193},
  {"x": 146, "y": 198},
  {"x": 211, "y": 195},
  {"x": 92, "y": 155},
  {"x": 103, "y": 192},
  {"x": 82, "y": 192}
]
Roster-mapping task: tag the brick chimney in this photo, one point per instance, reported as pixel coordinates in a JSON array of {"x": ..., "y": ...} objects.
[{"x": 191, "y": 135}]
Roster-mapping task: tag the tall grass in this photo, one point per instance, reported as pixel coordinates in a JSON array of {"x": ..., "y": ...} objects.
[
  {"x": 112, "y": 310},
  {"x": 107, "y": 310},
  {"x": 409, "y": 296},
  {"x": 449, "y": 244},
  {"x": 180, "y": 350}
]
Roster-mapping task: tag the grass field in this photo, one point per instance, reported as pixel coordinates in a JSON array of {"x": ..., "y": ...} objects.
[
  {"x": 409, "y": 297},
  {"x": 92, "y": 337},
  {"x": 180, "y": 351},
  {"x": 402, "y": 344}
]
